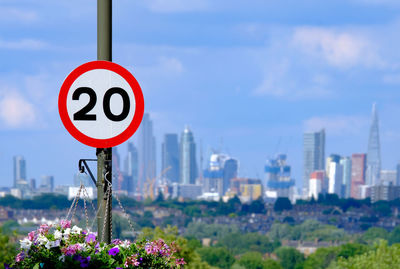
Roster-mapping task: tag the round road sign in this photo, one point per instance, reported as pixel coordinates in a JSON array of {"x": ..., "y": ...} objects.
[{"x": 101, "y": 104}]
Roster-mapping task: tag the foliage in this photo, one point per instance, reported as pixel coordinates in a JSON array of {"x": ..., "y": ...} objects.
[
  {"x": 394, "y": 236},
  {"x": 213, "y": 231},
  {"x": 43, "y": 201},
  {"x": 217, "y": 256},
  {"x": 282, "y": 203},
  {"x": 290, "y": 258},
  {"x": 373, "y": 234},
  {"x": 272, "y": 264},
  {"x": 239, "y": 243},
  {"x": 252, "y": 260},
  {"x": 61, "y": 246},
  {"x": 383, "y": 257},
  {"x": 7, "y": 249}
]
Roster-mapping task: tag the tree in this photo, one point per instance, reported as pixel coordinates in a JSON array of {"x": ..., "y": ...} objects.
[
  {"x": 394, "y": 236},
  {"x": 7, "y": 249},
  {"x": 290, "y": 258},
  {"x": 373, "y": 234},
  {"x": 282, "y": 203},
  {"x": 217, "y": 256},
  {"x": 321, "y": 258},
  {"x": 252, "y": 260},
  {"x": 271, "y": 264},
  {"x": 383, "y": 257}
]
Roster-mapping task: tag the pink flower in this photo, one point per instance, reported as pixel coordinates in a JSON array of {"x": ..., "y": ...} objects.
[
  {"x": 180, "y": 261},
  {"x": 71, "y": 250},
  {"x": 158, "y": 247},
  {"x": 65, "y": 224},
  {"x": 31, "y": 235},
  {"x": 132, "y": 260},
  {"x": 44, "y": 228},
  {"x": 20, "y": 257}
]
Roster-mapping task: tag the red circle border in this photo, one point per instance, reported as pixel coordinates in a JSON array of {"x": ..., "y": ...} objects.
[{"x": 78, "y": 135}]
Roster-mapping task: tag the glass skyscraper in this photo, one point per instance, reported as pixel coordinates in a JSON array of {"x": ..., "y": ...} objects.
[
  {"x": 146, "y": 152},
  {"x": 188, "y": 165},
  {"x": 313, "y": 155},
  {"x": 19, "y": 169},
  {"x": 131, "y": 166},
  {"x": 170, "y": 158},
  {"x": 374, "y": 152}
]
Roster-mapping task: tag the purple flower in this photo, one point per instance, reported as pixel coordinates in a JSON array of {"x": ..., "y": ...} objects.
[
  {"x": 113, "y": 251},
  {"x": 20, "y": 257},
  {"x": 85, "y": 262},
  {"x": 90, "y": 238}
]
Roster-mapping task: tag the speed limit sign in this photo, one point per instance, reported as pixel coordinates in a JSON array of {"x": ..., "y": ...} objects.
[{"x": 101, "y": 104}]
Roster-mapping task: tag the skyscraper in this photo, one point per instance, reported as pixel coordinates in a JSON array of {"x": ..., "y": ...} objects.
[
  {"x": 374, "y": 152},
  {"x": 345, "y": 162},
  {"x": 19, "y": 169},
  {"x": 335, "y": 174},
  {"x": 146, "y": 152},
  {"x": 231, "y": 168},
  {"x": 188, "y": 165},
  {"x": 357, "y": 174},
  {"x": 313, "y": 155},
  {"x": 131, "y": 166},
  {"x": 278, "y": 179},
  {"x": 170, "y": 158}
]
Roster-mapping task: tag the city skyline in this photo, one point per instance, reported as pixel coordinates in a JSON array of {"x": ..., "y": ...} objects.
[{"x": 256, "y": 75}]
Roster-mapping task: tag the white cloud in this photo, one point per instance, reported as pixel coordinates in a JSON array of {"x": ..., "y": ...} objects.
[
  {"x": 279, "y": 82},
  {"x": 173, "y": 6},
  {"x": 23, "y": 44},
  {"x": 17, "y": 15},
  {"x": 339, "y": 48},
  {"x": 339, "y": 125},
  {"x": 16, "y": 111}
]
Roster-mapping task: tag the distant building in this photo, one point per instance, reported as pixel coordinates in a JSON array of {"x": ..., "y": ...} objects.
[
  {"x": 82, "y": 178},
  {"x": 32, "y": 184},
  {"x": 358, "y": 162},
  {"x": 188, "y": 164},
  {"x": 186, "y": 191},
  {"x": 313, "y": 155},
  {"x": 146, "y": 153},
  {"x": 345, "y": 163},
  {"x": 231, "y": 168},
  {"x": 19, "y": 169},
  {"x": 334, "y": 172},
  {"x": 73, "y": 192},
  {"x": 220, "y": 171},
  {"x": 247, "y": 189},
  {"x": 374, "y": 155},
  {"x": 388, "y": 177},
  {"x": 384, "y": 193},
  {"x": 47, "y": 184},
  {"x": 170, "y": 158},
  {"x": 131, "y": 170},
  {"x": 398, "y": 174},
  {"x": 316, "y": 183},
  {"x": 278, "y": 177}
]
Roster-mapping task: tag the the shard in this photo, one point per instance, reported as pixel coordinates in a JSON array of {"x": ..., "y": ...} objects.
[{"x": 374, "y": 152}]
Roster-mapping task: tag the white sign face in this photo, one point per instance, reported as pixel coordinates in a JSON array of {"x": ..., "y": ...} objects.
[{"x": 101, "y": 104}]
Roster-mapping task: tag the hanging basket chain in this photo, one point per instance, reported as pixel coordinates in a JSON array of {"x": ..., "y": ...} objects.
[
  {"x": 108, "y": 195},
  {"x": 76, "y": 203},
  {"x": 72, "y": 206}
]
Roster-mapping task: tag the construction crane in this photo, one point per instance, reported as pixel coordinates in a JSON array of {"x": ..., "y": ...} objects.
[{"x": 149, "y": 184}]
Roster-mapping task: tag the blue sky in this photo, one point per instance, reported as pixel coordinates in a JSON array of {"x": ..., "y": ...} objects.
[{"x": 247, "y": 76}]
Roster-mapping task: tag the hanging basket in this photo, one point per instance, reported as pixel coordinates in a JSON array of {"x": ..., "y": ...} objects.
[{"x": 60, "y": 246}]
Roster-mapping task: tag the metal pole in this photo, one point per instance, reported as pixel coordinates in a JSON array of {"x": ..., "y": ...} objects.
[{"x": 104, "y": 155}]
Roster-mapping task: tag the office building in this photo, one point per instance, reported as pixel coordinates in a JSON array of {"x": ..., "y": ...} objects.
[
  {"x": 47, "y": 184},
  {"x": 188, "y": 164},
  {"x": 19, "y": 169},
  {"x": 146, "y": 153},
  {"x": 345, "y": 162},
  {"x": 334, "y": 174},
  {"x": 131, "y": 168},
  {"x": 358, "y": 166},
  {"x": 313, "y": 155},
  {"x": 384, "y": 193},
  {"x": 374, "y": 154},
  {"x": 278, "y": 177},
  {"x": 231, "y": 168},
  {"x": 388, "y": 177},
  {"x": 317, "y": 179},
  {"x": 170, "y": 158}
]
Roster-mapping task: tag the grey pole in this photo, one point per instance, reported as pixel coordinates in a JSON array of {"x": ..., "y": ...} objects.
[{"x": 104, "y": 155}]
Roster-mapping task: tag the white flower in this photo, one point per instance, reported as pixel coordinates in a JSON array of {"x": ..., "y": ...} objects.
[
  {"x": 26, "y": 243},
  {"x": 57, "y": 234},
  {"x": 76, "y": 230},
  {"x": 66, "y": 233},
  {"x": 52, "y": 244},
  {"x": 125, "y": 244},
  {"x": 42, "y": 239},
  {"x": 62, "y": 258}
]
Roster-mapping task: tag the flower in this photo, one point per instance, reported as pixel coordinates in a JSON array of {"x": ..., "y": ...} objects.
[
  {"x": 52, "y": 244},
  {"x": 25, "y": 243},
  {"x": 31, "y": 235},
  {"x": 113, "y": 251},
  {"x": 76, "y": 230},
  {"x": 42, "y": 240},
  {"x": 20, "y": 257},
  {"x": 90, "y": 238},
  {"x": 44, "y": 228},
  {"x": 65, "y": 224},
  {"x": 180, "y": 261},
  {"x": 57, "y": 234}
]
